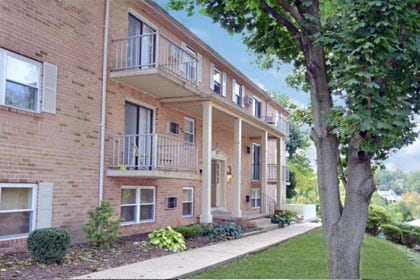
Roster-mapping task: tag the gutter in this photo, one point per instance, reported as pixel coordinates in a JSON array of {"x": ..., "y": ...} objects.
[{"x": 103, "y": 106}]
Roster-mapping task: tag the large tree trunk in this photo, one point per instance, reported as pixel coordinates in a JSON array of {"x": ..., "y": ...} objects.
[
  {"x": 344, "y": 227},
  {"x": 346, "y": 236}
]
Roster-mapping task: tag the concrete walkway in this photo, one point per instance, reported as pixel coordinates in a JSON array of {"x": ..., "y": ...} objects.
[{"x": 186, "y": 263}]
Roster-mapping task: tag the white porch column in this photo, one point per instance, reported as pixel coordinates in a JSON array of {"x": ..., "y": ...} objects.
[
  {"x": 264, "y": 205},
  {"x": 205, "y": 216},
  {"x": 279, "y": 179},
  {"x": 283, "y": 183},
  {"x": 237, "y": 166}
]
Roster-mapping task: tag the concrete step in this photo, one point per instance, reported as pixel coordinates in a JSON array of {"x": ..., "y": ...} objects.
[{"x": 263, "y": 224}]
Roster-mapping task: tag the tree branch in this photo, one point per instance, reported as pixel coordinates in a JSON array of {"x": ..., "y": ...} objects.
[
  {"x": 266, "y": 8},
  {"x": 288, "y": 8}
]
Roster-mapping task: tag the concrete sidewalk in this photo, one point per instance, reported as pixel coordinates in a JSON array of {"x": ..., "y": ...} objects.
[{"x": 186, "y": 263}]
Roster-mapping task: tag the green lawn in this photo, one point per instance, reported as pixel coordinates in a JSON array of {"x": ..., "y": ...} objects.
[{"x": 305, "y": 257}]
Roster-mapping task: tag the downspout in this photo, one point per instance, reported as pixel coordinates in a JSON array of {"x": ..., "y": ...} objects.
[{"x": 103, "y": 106}]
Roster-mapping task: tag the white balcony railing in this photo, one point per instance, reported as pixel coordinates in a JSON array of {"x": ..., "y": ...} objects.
[
  {"x": 272, "y": 173},
  {"x": 153, "y": 151},
  {"x": 154, "y": 50},
  {"x": 279, "y": 122}
]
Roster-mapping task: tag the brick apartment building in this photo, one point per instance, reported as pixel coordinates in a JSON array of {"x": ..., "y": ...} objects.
[{"x": 170, "y": 133}]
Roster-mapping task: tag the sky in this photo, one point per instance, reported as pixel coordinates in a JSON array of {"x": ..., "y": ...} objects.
[{"x": 233, "y": 50}]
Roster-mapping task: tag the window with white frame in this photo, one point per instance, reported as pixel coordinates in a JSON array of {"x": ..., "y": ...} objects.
[
  {"x": 187, "y": 201},
  {"x": 238, "y": 93},
  {"x": 20, "y": 81},
  {"x": 188, "y": 130},
  {"x": 17, "y": 209},
  {"x": 256, "y": 198},
  {"x": 218, "y": 81},
  {"x": 138, "y": 204},
  {"x": 256, "y": 107}
]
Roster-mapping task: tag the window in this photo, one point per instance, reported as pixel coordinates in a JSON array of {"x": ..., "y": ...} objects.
[
  {"x": 20, "y": 81},
  {"x": 255, "y": 198},
  {"x": 17, "y": 207},
  {"x": 141, "y": 44},
  {"x": 188, "y": 130},
  {"x": 189, "y": 64},
  {"x": 137, "y": 204},
  {"x": 256, "y": 164},
  {"x": 187, "y": 202},
  {"x": 171, "y": 202},
  {"x": 173, "y": 127},
  {"x": 238, "y": 94},
  {"x": 218, "y": 81},
  {"x": 256, "y": 107}
]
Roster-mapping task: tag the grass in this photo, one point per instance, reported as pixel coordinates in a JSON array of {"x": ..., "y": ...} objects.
[{"x": 305, "y": 257}]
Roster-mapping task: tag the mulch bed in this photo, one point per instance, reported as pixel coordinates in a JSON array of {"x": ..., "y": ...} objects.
[{"x": 84, "y": 258}]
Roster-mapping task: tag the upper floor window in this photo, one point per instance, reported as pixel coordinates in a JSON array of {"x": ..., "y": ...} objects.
[
  {"x": 188, "y": 130},
  {"x": 20, "y": 81},
  {"x": 218, "y": 81},
  {"x": 17, "y": 206},
  {"x": 238, "y": 93},
  {"x": 256, "y": 107}
]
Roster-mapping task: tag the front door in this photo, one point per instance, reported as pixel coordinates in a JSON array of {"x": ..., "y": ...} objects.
[
  {"x": 140, "y": 45},
  {"x": 139, "y": 137},
  {"x": 215, "y": 183}
]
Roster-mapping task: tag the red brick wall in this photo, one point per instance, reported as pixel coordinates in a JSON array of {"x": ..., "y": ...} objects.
[{"x": 61, "y": 148}]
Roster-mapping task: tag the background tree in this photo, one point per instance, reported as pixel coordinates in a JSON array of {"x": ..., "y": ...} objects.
[
  {"x": 302, "y": 176},
  {"x": 364, "y": 52}
]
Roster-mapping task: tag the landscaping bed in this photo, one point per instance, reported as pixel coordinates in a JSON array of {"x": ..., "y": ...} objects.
[{"x": 85, "y": 258}]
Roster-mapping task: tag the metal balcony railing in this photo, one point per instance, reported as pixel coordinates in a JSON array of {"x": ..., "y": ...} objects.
[
  {"x": 279, "y": 122},
  {"x": 272, "y": 173},
  {"x": 153, "y": 151},
  {"x": 153, "y": 50}
]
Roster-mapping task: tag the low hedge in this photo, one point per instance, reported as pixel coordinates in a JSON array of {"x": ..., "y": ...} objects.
[
  {"x": 410, "y": 238},
  {"x": 392, "y": 233}
]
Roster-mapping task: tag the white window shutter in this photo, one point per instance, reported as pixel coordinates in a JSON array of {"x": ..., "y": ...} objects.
[
  {"x": 45, "y": 200},
  {"x": 233, "y": 90},
  {"x": 224, "y": 84},
  {"x": 49, "y": 88},
  {"x": 243, "y": 96},
  {"x": 199, "y": 67},
  {"x": 212, "y": 76}
]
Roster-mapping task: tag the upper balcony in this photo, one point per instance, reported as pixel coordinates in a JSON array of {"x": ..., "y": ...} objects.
[
  {"x": 280, "y": 123},
  {"x": 154, "y": 64}
]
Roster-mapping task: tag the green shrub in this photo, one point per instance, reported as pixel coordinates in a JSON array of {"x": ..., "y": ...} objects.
[
  {"x": 392, "y": 233},
  {"x": 48, "y": 245},
  {"x": 290, "y": 214},
  {"x": 410, "y": 238},
  {"x": 190, "y": 231},
  {"x": 280, "y": 219},
  {"x": 378, "y": 215},
  {"x": 100, "y": 230},
  {"x": 223, "y": 231},
  {"x": 405, "y": 226},
  {"x": 167, "y": 239}
]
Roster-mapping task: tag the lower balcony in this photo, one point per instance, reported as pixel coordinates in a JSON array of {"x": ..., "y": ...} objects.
[
  {"x": 153, "y": 156},
  {"x": 271, "y": 173}
]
